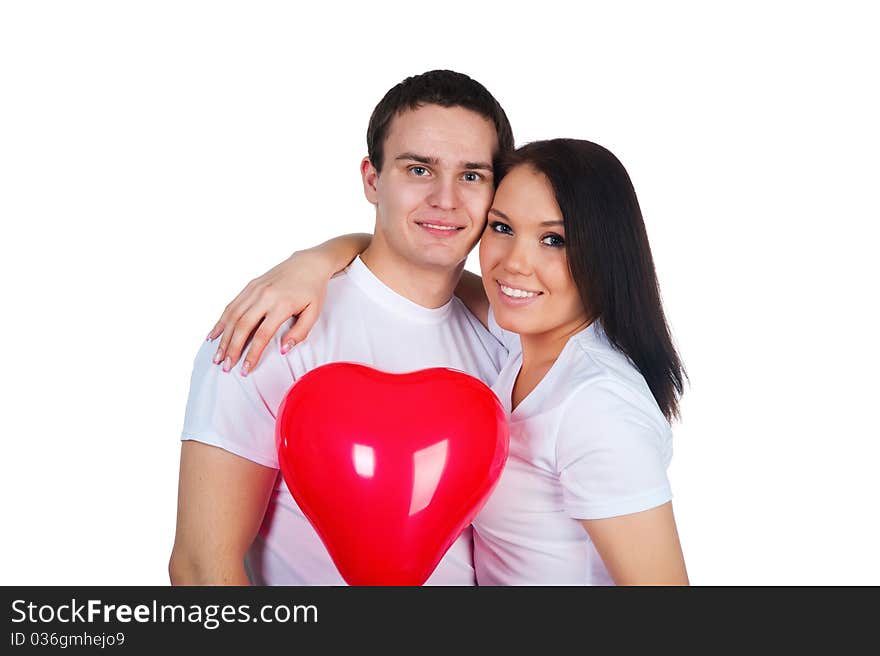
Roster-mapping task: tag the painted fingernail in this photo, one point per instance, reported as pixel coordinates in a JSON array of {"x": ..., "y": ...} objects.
[
  {"x": 227, "y": 364},
  {"x": 218, "y": 356},
  {"x": 245, "y": 368},
  {"x": 287, "y": 346}
]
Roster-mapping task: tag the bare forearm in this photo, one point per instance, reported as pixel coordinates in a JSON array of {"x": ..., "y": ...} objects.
[
  {"x": 193, "y": 571},
  {"x": 470, "y": 291},
  {"x": 337, "y": 253}
]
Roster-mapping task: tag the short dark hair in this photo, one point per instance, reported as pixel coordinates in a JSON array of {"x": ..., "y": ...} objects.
[
  {"x": 444, "y": 88},
  {"x": 609, "y": 256}
]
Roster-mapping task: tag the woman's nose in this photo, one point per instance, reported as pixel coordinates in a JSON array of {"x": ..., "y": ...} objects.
[{"x": 518, "y": 260}]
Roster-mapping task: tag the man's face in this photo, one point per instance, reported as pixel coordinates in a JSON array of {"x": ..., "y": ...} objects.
[{"x": 435, "y": 186}]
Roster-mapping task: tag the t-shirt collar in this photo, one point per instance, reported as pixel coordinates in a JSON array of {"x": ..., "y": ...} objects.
[{"x": 370, "y": 284}]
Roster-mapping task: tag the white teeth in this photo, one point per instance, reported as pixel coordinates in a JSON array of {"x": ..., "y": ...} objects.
[
  {"x": 439, "y": 227},
  {"x": 516, "y": 293}
]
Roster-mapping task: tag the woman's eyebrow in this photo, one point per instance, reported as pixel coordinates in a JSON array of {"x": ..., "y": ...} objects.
[{"x": 502, "y": 215}]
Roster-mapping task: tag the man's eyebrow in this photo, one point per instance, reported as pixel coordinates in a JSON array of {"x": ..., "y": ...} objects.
[
  {"x": 433, "y": 161},
  {"x": 482, "y": 166},
  {"x": 422, "y": 159}
]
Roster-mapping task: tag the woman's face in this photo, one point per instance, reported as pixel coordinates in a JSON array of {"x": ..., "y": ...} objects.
[{"x": 523, "y": 259}]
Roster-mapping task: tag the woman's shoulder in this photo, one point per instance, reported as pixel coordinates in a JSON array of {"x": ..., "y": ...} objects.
[
  {"x": 607, "y": 399},
  {"x": 605, "y": 369},
  {"x": 607, "y": 383},
  {"x": 610, "y": 414}
]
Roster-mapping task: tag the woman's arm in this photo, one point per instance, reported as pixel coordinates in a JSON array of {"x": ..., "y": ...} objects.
[
  {"x": 470, "y": 291},
  {"x": 296, "y": 287},
  {"x": 640, "y": 549}
]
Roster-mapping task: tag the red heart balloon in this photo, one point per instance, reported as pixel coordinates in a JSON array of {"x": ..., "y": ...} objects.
[{"x": 390, "y": 468}]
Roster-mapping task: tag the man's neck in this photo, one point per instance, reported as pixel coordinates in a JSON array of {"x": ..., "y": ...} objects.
[{"x": 425, "y": 286}]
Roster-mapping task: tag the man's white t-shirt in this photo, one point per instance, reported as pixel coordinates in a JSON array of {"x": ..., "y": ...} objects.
[
  {"x": 363, "y": 321},
  {"x": 589, "y": 442}
]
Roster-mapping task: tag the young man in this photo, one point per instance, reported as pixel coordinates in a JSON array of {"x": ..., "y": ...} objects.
[{"x": 431, "y": 142}]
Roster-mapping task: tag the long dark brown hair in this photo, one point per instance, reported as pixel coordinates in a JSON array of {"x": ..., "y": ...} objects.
[{"x": 609, "y": 257}]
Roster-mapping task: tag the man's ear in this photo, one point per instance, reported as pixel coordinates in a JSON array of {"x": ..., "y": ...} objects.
[{"x": 370, "y": 176}]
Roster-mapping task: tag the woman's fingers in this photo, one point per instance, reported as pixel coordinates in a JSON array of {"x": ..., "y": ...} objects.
[
  {"x": 258, "y": 325},
  {"x": 252, "y": 319},
  {"x": 216, "y": 331},
  {"x": 301, "y": 327},
  {"x": 256, "y": 293},
  {"x": 230, "y": 316},
  {"x": 264, "y": 334},
  {"x": 241, "y": 333}
]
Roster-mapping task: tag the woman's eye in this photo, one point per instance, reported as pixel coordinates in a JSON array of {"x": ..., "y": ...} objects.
[
  {"x": 418, "y": 171},
  {"x": 553, "y": 240},
  {"x": 503, "y": 228}
]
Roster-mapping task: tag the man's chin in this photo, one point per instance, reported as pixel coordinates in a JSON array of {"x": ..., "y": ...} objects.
[
  {"x": 433, "y": 257},
  {"x": 438, "y": 263}
]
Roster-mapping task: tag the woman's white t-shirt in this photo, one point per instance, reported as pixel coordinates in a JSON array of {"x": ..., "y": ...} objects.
[{"x": 589, "y": 442}]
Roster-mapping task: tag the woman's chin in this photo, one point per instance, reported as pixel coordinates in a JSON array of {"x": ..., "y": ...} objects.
[{"x": 511, "y": 320}]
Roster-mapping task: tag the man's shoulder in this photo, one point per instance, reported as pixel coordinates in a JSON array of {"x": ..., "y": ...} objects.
[
  {"x": 341, "y": 290},
  {"x": 459, "y": 312}
]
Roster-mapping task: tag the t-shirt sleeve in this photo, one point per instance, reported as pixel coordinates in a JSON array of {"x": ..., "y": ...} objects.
[
  {"x": 230, "y": 412},
  {"x": 612, "y": 453},
  {"x": 510, "y": 340}
]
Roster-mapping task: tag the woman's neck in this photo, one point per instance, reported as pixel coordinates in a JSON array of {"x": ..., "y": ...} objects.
[
  {"x": 540, "y": 348},
  {"x": 539, "y": 352}
]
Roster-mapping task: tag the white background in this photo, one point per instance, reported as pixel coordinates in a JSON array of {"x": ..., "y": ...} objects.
[{"x": 155, "y": 156}]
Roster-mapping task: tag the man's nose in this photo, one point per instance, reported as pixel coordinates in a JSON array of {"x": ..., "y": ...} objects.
[{"x": 444, "y": 194}]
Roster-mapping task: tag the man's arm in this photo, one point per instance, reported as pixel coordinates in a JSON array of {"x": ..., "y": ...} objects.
[{"x": 221, "y": 501}]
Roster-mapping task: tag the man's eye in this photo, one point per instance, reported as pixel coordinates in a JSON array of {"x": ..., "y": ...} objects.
[
  {"x": 419, "y": 171},
  {"x": 503, "y": 228},
  {"x": 553, "y": 240},
  {"x": 470, "y": 176}
]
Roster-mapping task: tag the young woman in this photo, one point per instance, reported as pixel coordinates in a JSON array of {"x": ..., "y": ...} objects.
[{"x": 591, "y": 382}]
